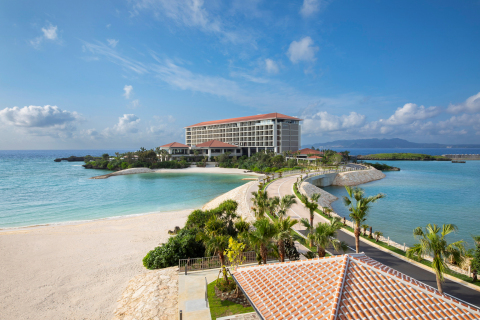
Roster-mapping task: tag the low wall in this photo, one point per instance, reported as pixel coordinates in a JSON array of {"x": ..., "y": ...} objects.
[{"x": 355, "y": 178}]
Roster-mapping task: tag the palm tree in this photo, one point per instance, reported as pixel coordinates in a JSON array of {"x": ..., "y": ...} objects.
[
  {"x": 286, "y": 202},
  {"x": 325, "y": 235},
  {"x": 327, "y": 211},
  {"x": 273, "y": 204},
  {"x": 260, "y": 203},
  {"x": 432, "y": 242},
  {"x": 365, "y": 227},
  {"x": 359, "y": 208},
  {"x": 378, "y": 234},
  {"x": 311, "y": 205},
  {"x": 283, "y": 233},
  {"x": 265, "y": 231}
]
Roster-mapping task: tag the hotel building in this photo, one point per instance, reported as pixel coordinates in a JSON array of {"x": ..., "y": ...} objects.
[{"x": 273, "y": 131}]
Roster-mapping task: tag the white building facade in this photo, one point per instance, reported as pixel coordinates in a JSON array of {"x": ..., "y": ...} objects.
[{"x": 273, "y": 131}]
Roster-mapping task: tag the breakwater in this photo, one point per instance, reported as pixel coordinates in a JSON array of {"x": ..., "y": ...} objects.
[
  {"x": 462, "y": 156},
  {"x": 349, "y": 178}
]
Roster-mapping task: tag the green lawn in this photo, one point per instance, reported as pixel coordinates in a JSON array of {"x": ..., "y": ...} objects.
[{"x": 219, "y": 308}]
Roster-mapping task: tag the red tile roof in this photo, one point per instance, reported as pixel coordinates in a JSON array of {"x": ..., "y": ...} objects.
[
  {"x": 309, "y": 151},
  {"x": 315, "y": 157},
  {"x": 174, "y": 145},
  {"x": 267, "y": 116},
  {"x": 351, "y": 286},
  {"x": 215, "y": 144}
]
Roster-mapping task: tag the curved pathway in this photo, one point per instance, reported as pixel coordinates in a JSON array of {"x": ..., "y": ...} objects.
[{"x": 284, "y": 186}]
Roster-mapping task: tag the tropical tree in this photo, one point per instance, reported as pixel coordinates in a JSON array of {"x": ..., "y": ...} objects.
[
  {"x": 273, "y": 205},
  {"x": 311, "y": 205},
  {"x": 260, "y": 203},
  {"x": 286, "y": 202},
  {"x": 359, "y": 207},
  {"x": 283, "y": 234},
  {"x": 324, "y": 235},
  {"x": 475, "y": 264},
  {"x": 378, "y": 234},
  {"x": 262, "y": 236},
  {"x": 365, "y": 227},
  {"x": 327, "y": 211},
  {"x": 432, "y": 242}
]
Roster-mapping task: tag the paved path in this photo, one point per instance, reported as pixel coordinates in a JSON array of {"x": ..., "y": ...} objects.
[
  {"x": 284, "y": 186},
  {"x": 191, "y": 294}
]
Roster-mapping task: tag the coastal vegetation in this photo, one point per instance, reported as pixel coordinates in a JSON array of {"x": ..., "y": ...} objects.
[
  {"x": 382, "y": 166},
  {"x": 403, "y": 156},
  {"x": 432, "y": 242},
  {"x": 359, "y": 207},
  {"x": 143, "y": 158}
]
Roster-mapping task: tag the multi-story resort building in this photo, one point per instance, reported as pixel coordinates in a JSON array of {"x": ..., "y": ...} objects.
[{"x": 273, "y": 131}]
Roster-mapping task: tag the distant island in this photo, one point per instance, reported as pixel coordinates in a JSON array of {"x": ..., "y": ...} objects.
[
  {"x": 386, "y": 143},
  {"x": 403, "y": 156}
]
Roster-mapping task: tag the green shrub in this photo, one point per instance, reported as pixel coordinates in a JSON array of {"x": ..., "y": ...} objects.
[
  {"x": 224, "y": 286},
  {"x": 197, "y": 219},
  {"x": 268, "y": 170},
  {"x": 182, "y": 246},
  {"x": 124, "y": 165}
]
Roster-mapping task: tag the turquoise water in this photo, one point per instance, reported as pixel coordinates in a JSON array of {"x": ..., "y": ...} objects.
[
  {"x": 36, "y": 190},
  {"x": 423, "y": 192}
]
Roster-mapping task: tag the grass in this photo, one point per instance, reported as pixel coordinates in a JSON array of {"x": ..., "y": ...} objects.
[
  {"x": 219, "y": 308},
  {"x": 393, "y": 249}
]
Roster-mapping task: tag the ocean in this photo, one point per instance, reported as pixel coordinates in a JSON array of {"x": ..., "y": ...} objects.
[
  {"x": 35, "y": 190},
  {"x": 422, "y": 192}
]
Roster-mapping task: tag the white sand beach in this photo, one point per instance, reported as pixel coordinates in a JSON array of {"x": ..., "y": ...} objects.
[
  {"x": 80, "y": 270},
  {"x": 76, "y": 271}
]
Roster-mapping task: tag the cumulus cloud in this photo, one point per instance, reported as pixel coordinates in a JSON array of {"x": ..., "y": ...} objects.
[
  {"x": 127, "y": 124},
  {"x": 471, "y": 105},
  {"x": 112, "y": 42},
  {"x": 128, "y": 91},
  {"x": 49, "y": 33},
  {"x": 326, "y": 122},
  {"x": 310, "y": 7},
  {"x": 411, "y": 112},
  {"x": 302, "y": 50},
  {"x": 37, "y": 116},
  {"x": 271, "y": 66}
]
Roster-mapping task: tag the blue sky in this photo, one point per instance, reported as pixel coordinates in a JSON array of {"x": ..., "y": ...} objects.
[{"x": 125, "y": 74}]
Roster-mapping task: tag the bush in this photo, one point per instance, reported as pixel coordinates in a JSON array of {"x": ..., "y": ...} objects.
[
  {"x": 124, "y": 165},
  {"x": 182, "y": 246},
  {"x": 224, "y": 286},
  {"x": 197, "y": 219}
]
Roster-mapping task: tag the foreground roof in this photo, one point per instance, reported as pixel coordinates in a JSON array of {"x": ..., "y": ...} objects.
[
  {"x": 309, "y": 151},
  {"x": 351, "y": 286},
  {"x": 267, "y": 116},
  {"x": 174, "y": 145},
  {"x": 215, "y": 144}
]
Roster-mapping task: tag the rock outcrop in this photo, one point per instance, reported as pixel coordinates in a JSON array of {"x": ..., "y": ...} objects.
[{"x": 354, "y": 178}]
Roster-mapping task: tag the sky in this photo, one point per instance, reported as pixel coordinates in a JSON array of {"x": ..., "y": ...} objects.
[{"x": 133, "y": 73}]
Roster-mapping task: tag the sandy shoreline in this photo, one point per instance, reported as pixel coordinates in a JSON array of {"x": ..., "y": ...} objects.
[{"x": 79, "y": 269}]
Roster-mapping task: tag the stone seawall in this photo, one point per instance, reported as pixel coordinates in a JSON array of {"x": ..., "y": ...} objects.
[
  {"x": 354, "y": 178},
  {"x": 325, "y": 198}
]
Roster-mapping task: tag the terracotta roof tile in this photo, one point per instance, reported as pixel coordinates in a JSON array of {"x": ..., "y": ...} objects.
[
  {"x": 309, "y": 151},
  {"x": 174, "y": 145},
  {"x": 267, "y": 116},
  {"x": 215, "y": 144},
  {"x": 344, "y": 287}
]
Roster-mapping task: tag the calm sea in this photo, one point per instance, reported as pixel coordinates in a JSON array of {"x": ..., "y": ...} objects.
[
  {"x": 36, "y": 190},
  {"x": 423, "y": 192}
]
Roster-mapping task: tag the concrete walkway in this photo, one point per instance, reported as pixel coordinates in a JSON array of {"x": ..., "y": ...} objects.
[
  {"x": 284, "y": 186},
  {"x": 191, "y": 294}
]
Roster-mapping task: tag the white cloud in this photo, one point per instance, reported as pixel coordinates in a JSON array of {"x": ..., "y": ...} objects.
[
  {"x": 309, "y": 7},
  {"x": 271, "y": 66},
  {"x": 128, "y": 123},
  {"x": 135, "y": 104},
  {"x": 302, "y": 50},
  {"x": 471, "y": 105},
  {"x": 411, "y": 112},
  {"x": 128, "y": 90},
  {"x": 108, "y": 26},
  {"x": 113, "y": 56},
  {"x": 112, "y": 42},
  {"x": 325, "y": 122},
  {"x": 190, "y": 13},
  {"x": 49, "y": 33},
  {"x": 37, "y": 116}
]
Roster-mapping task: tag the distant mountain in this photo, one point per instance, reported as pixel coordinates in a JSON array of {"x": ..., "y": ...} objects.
[{"x": 385, "y": 143}]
